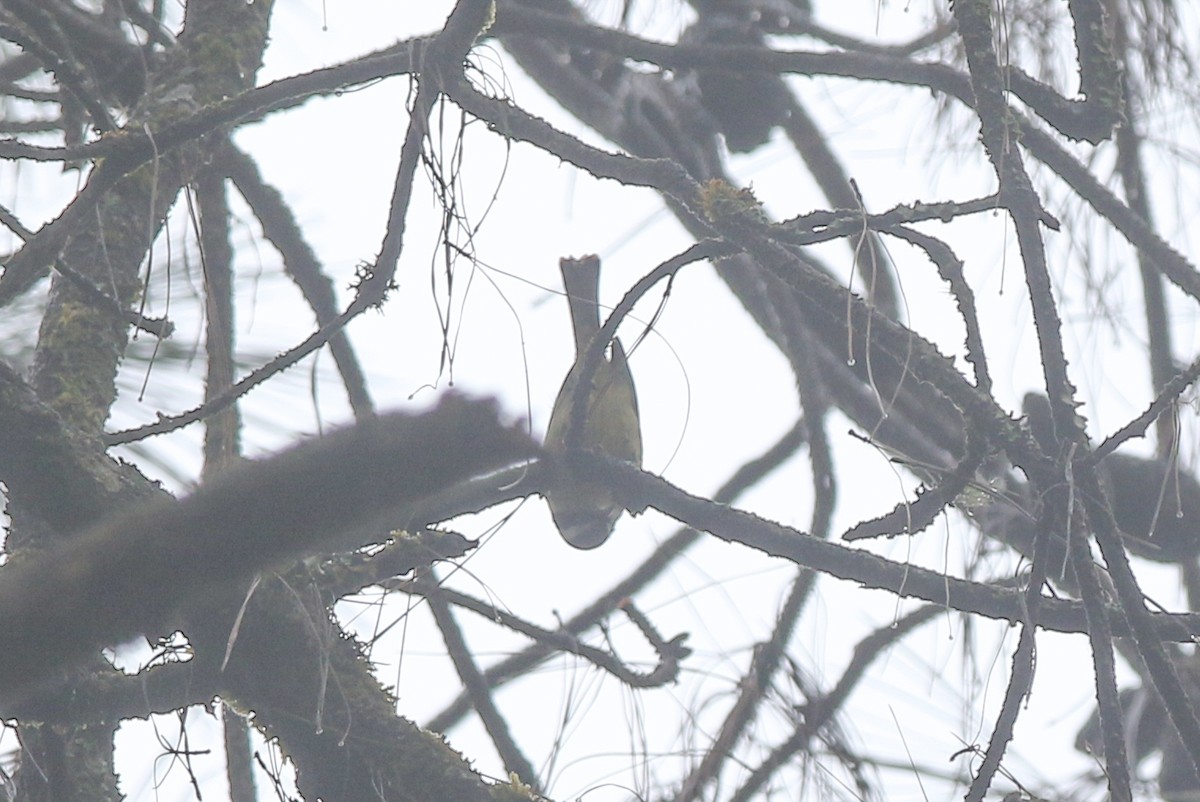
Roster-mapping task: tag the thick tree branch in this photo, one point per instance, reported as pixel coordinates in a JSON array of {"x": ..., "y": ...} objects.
[{"x": 131, "y": 573}]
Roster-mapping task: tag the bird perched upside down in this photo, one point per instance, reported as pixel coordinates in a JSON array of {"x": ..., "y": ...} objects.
[
  {"x": 745, "y": 104},
  {"x": 584, "y": 511}
]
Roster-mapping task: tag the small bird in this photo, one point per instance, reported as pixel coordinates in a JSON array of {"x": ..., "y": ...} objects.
[
  {"x": 1155, "y": 503},
  {"x": 584, "y": 511},
  {"x": 745, "y": 105}
]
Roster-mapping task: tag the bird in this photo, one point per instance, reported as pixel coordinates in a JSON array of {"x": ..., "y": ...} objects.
[
  {"x": 1155, "y": 503},
  {"x": 584, "y": 510},
  {"x": 744, "y": 105}
]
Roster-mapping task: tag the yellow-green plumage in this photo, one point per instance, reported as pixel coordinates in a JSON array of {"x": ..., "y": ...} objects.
[{"x": 584, "y": 511}]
